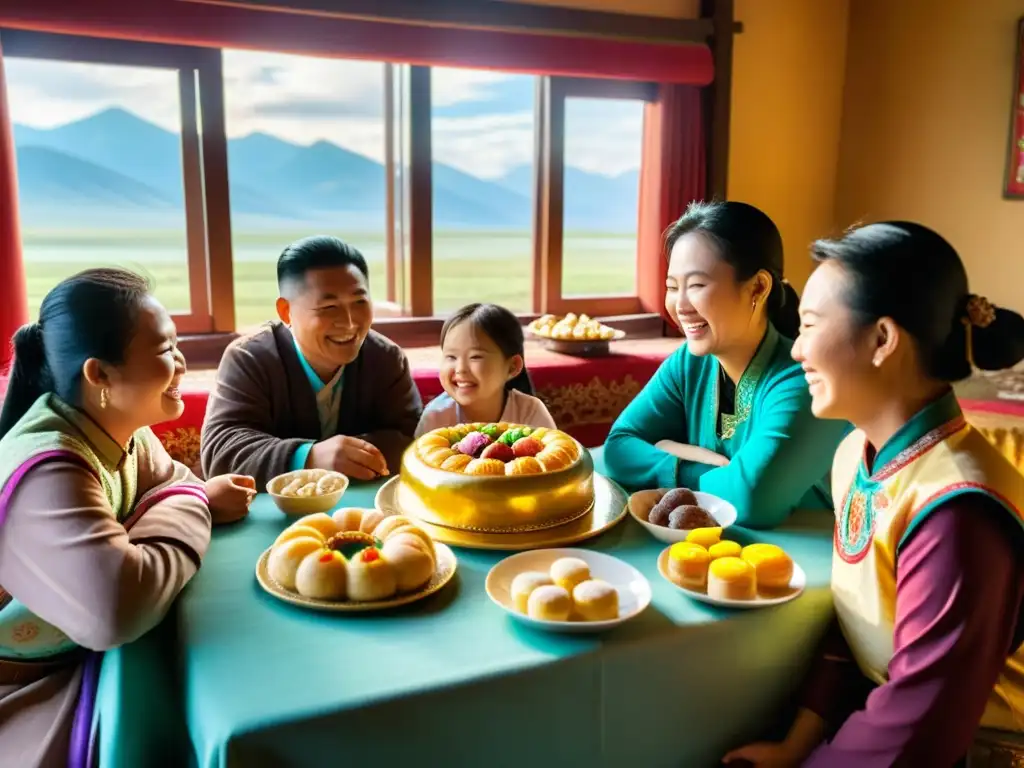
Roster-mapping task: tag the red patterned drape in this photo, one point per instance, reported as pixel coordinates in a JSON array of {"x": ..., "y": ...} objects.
[
  {"x": 13, "y": 302},
  {"x": 170, "y": 21},
  {"x": 672, "y": 175}
]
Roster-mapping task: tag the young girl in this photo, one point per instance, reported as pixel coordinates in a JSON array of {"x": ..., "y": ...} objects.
[
  {"x": 483, "y": 373},
  {"x": 99, "y": 528}
]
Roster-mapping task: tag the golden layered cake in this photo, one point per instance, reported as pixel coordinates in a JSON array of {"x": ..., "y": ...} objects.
[{"x": 496, "y": 478}]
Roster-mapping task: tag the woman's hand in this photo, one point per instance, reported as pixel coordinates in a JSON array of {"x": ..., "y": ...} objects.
[
  {"x": 230, "y": 497},
  {"x": 765, "y": 754},
  {"x": 693, "y": 453}
]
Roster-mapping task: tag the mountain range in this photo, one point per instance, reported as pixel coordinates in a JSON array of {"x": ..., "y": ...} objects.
[{"x": 114, "y": 169}]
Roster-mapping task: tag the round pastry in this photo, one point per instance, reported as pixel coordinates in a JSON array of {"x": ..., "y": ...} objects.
[
  {"x": 321, "y": 521},
  {"x": 371, "y": 519},
  {"x": 412, "y": 563},
  {"x": 688, "y": 565},
  {"x": 596, "y": 600},
  {"x": 724, "y": 549},
  {"x": 523, "y": 585},
  {"x": 419, "y": 533},
  {"x": 549, "y": 603},
  {"x": 389, "y": 524},
  {"x": 773, "y": 566},
  {"x": 677, "y": 497},
  {"x": 688, "y": 517},
  {"x": 503, "y": 478},
  {"x": 286, "y": 557},
  {"x": 485, "y": 467},
  {"x": 370, "y": 577},
  {"x": 706, "y": 537},
  {"x": 524, "y": 465},
  {"x": 659, "y": 515},
  {"x": 348, "y": 518},
  {"x": 322, "y": 575},
  {"x": 567, "y": 572},
  {"x": 298, "y": 532},
  {"x": 732, "y": 578}
]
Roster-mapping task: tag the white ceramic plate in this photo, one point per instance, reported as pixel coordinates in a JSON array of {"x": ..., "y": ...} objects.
[
  {"x": 796, "y": 588},
  {"x": 642, "y": 502},
  {"x": 634, "y": 590}
]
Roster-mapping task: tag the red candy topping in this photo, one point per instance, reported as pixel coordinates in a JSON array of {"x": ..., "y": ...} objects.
[
  {"x": 369, "y": 555},
  {"x": 326, "y": 557}
]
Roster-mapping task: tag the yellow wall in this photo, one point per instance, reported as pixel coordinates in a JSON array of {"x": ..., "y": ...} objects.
[
  {"x": 926, "y": 128},
  {"x": 788, "y": 70}
]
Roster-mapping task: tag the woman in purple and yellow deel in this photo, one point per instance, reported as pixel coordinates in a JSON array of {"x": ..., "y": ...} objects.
[{"x": 928, "y": 564}]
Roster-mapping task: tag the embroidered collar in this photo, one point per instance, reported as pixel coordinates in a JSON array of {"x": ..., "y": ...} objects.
[
  {"x": 924, "y": 430},
  {"x": 746, "y": 387},
  {"x": 107, "y": 448}
]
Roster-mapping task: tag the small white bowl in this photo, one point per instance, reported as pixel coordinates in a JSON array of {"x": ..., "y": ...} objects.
[
  {"x": 634, "y": 590},
  {"x": 642, "y": 502},
  {"x": 299, "y": 506}
]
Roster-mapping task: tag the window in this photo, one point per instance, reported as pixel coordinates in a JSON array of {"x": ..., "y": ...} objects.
[
  {"x": 603, "y": 142},
  {"x": 482, "y": 134},
  {"x": 109, "y": 164},
  {"x": 197, "y": 167},
  {"x": 307, "y": 155}
]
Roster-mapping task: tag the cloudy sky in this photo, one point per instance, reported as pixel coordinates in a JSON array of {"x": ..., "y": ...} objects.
[{"x": 483, "y": 121}]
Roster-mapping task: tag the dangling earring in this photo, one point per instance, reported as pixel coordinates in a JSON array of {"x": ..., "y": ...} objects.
[{"x": 104, "y": 398}]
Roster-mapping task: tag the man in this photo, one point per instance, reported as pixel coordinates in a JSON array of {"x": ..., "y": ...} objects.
[{"x": 317, "y": 389}]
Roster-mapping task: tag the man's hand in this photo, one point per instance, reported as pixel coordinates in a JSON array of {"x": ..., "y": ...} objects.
[
  {"x": 351, "y": 456},
  {"x": 230, "y": 497}
]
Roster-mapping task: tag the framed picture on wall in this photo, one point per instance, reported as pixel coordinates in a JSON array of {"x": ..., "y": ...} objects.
[{"x": 1015, "y": 168}]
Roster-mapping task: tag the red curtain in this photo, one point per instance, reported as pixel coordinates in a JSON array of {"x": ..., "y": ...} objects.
[
  {"x": 13, "y": 304},
  {"x": 170, "y": 21},
  {"x": 673, "y": 174}
]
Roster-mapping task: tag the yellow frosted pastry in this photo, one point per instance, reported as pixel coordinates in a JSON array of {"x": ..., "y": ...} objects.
[
  {"x": 485, "y": 467},
  {"x": 322, "y": 575},
  {"x": 524, "y": 465},
  {"x": 436, "y": 457},
  {"x": 433, "y": 440},
  {"x": 567, "y": 572},
  {"x": 370, "y": 576},
  {"x": 704, "y": 536},
  {"x": 371, "y": 519},
  {"x": 321, "y": 521},
  {"x": 456, "y": 463},
  {"x": 596, "y": 600},
  {"x": 348, "y": 518},
  {"x": 773, "y": 566},
  {"x": 688, "y": 565},
  {"x": 724, "y": 549},
  {"x": 524, "y": 584},
  {"x": 550, "y": 603},
  {"x": 412, "y": 563},
  {"x": 298, "y": 532},
  {"x": 732, "y": 578},
  {"x": 285, "y": 558}
]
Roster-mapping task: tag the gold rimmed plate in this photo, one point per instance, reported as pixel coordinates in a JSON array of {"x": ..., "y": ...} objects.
[
  {"x": 443, "y": 573},
  {"x": 608, "y": 510}
]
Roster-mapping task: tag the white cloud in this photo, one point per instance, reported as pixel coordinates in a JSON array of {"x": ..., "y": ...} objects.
[{"x": 304, "y": 100}]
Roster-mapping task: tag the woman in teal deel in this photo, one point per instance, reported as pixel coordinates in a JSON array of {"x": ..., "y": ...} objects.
[{"x": 729, "y": 412}]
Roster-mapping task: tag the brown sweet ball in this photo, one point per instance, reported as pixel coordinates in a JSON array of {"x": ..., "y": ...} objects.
[
  {"x": 679, "y": 497},
  {"x": 690, "y": 516},
  {"x": 658, "y": 515}
]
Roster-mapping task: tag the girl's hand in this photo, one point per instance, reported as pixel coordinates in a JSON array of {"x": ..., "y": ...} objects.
[
  {"x": 230, "y": 497},
  {"x": 765, "y": 754}
]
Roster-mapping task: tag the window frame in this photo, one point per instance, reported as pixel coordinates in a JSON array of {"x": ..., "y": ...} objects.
[
  {"x": 211, "y": 324},
  {"x": 203, "y": 156}
]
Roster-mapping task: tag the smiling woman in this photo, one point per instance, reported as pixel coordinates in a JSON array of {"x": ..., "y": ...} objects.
[{"x": 729, "y": 412}]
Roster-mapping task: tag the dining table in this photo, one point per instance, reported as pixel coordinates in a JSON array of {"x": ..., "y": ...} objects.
[{"x": 235, "y": 677}]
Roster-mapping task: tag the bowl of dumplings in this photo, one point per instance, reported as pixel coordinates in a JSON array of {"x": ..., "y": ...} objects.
[
  {"x": 574, "y": 334},
  {"x": 307, "y": 491}
]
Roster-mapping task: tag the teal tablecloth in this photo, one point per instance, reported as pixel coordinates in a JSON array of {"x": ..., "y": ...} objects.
[{"x": 454, "y": 681}]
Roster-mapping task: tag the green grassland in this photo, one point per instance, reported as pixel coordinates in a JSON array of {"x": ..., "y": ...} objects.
[{"x": 468, "y": 266}]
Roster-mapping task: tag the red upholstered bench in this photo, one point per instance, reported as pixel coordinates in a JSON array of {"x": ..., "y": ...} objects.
[{"x": 584, "y": 395}]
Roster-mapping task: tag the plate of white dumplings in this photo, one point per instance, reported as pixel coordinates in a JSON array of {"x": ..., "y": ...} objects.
[
  {"x": 568, "y": 590},
  {"x": 306, "y": 491}
]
